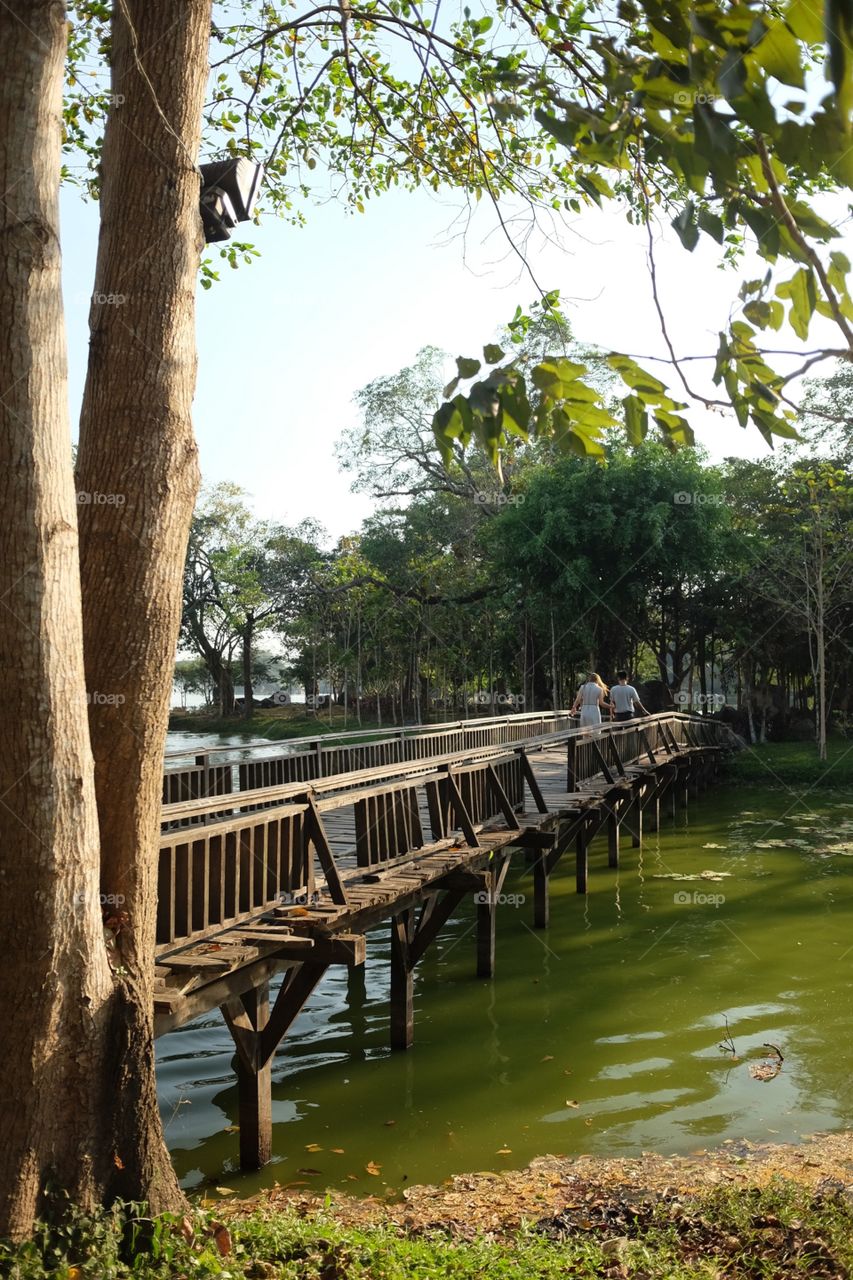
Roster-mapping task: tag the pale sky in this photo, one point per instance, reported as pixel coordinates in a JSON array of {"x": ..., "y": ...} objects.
[{"x": 286, "y": 342}]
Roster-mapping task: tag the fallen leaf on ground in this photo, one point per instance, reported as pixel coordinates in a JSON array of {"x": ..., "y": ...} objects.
[
  {"x": 373, "y": 1168},
  {"x": 222, "y": 1239},
  {"x": 504, "y": 1151},
  {"x": 313, "y": 1146}
]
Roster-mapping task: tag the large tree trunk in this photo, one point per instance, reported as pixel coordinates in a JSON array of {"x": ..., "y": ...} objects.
[
  {"x": 248, "y": 690},
  {"x": 138, "y": 460},
  {"x": 820, "y": 645},
  {"x": 55, "y": 983},
  {"x": 217, "y": 665}
]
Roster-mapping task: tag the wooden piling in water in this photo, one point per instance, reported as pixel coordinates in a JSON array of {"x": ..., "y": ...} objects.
[
  {"x": 402, "y": 981},
  {"x": 254, "y": 1090}
]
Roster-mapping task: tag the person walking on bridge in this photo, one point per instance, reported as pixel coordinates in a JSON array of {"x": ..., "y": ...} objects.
[
  {"x": 624, "y": 699},
  {"x": 591, "y": 700}
]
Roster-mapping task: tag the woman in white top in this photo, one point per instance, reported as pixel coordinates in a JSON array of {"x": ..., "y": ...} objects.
[{"x": 590, "y": 700}]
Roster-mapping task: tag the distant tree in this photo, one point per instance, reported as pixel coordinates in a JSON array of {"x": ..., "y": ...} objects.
[
  {"x": 243, "y": 577},
  {"x": 192, "y": 676},
  {"x": 621, "y": 557},
  {"x": 827, "y": 422},
  {"x": 393, "y": 453}
]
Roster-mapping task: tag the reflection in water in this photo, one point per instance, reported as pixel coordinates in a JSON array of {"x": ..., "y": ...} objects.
[{"x": 618, "y": 1007}]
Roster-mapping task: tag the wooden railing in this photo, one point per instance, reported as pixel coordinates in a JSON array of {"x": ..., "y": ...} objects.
[
  {"x": 305, "y": 759},
  {"x": 653, "y": 738},
  {"x": 220, "y": 869}
]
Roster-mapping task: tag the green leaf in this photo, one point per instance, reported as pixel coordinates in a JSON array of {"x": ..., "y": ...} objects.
[
  {"x": 578, "y": 392},
  {"x": 779, "y": 54},
  {"x": 467, "y": 368},
  {"x": 564, "y": 131},
  {"x": 839, "y": 35},
  {"x": 685, "y": 225},
  {"x": 636, "y": 419},
  {"x": 544, "y": 376},
  {"x": 484, "y": 400},
  {"x": 648, "y": 387},
  {"x": 711, "y": 225},
  {"x": 516, "y": 407},
  {"x": 810, "y": 223},
  {"x": 764, "y": 227},
  {"x": 492, "y": 353},
  {"x": 805, "y": 18},
  {"x": 732, "y": 74},
  {"x": 568, "y": 370},
  {"x": 801, "y": 290},
  {"x": 677, "y": 430}
]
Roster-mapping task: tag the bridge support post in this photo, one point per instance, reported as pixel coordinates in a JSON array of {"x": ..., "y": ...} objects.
[
  {"x": 613, "y": 825},
  {"x": 632, "y": 816},
  {"x": 402, "y": 980},
  {"x": 486, "y": 921},
  {"x": 254, "y": 1089},
  {"x": 581, "y": 859},
  {"x": 683, "y": 786},
  {"x": 541, "y": 893},
  {"x": 653, "y": 807},
  {"x": 637, "y": 828}
]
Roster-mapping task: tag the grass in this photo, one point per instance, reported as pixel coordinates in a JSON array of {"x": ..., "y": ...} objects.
[
  {"x": 783, "y": 1230},
  {"x": 795, "y": 764},
  {"x": 278, "y": 725}
]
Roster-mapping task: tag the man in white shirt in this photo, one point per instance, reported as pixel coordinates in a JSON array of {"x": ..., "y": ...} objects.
[{"x": 624, "y": 698}]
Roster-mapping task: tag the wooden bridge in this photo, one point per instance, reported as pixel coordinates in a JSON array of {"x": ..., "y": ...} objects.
[{"x": 281, "y": 863}]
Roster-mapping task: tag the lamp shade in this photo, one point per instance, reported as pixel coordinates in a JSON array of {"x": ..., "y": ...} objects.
[{"x": 229, "y": 191}]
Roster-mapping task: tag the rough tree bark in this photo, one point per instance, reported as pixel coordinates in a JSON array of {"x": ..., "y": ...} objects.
[
  {"x": 55, "y": 982},
  {"x": 138, "y": 461},
  {"x": 248, "y": 690}
]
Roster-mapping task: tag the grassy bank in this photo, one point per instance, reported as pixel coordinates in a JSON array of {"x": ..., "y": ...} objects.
[
  {"x": 278, "y": 724},
  {"x": 794, "y": 764},
  {"x": 782, "y": 1230}
]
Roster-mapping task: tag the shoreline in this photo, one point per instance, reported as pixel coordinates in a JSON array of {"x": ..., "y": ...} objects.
[{"x": 496, "y": 1204}]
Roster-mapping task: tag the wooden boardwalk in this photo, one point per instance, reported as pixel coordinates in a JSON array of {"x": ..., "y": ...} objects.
[{"x": 283, "y": 865}]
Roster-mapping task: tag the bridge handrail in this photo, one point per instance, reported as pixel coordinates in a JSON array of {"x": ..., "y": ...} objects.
[
  {"x": 416, "y": 769},
  {"x": 377, "y": 737}
]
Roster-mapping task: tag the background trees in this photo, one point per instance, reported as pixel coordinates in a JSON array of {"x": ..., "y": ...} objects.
[{"x": 720, "y": 582}]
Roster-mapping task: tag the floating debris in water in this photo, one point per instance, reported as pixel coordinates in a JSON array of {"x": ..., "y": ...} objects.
[{"x": 701, "y": 875}]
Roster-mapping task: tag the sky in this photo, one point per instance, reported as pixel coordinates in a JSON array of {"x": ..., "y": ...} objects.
[{"x": 286, "y": 342}]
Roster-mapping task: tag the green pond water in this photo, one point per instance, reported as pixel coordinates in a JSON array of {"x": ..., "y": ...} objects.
[{"x": 601, "y": 1034}]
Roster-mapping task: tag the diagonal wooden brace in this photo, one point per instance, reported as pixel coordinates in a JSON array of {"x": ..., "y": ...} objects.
[{"x": 315, "y": 832}]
